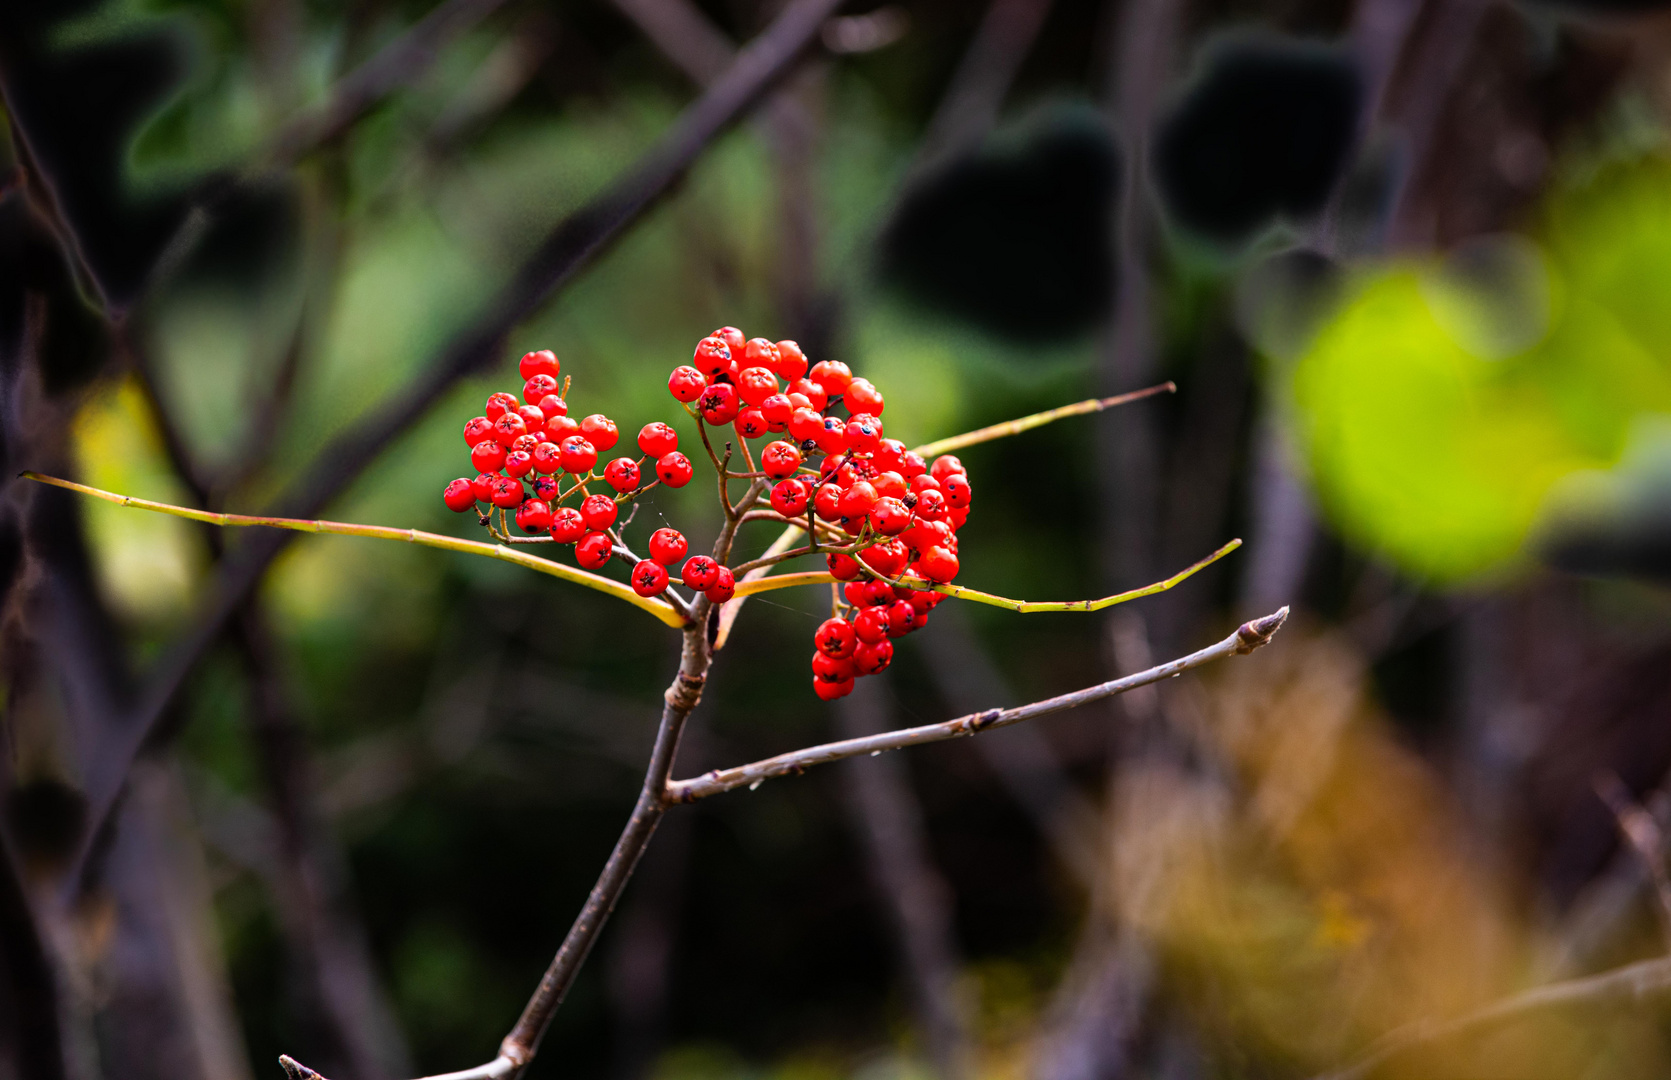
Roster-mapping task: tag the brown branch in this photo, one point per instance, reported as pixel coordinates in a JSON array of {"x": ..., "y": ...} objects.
[
  {"x": 1634, "y": 985},
  {"x": 570, "y": 247},
  {"x": 1249, "y": 636}
]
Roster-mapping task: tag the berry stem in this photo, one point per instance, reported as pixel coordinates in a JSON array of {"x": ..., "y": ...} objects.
[
  {"x": 1028, "y": 423},
  {"x": 661, "y": 609}
]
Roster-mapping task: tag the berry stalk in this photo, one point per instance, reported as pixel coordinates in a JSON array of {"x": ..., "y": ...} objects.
[{"x": 1037, "y": 420}]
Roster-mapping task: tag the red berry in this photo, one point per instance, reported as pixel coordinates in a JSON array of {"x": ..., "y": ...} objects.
[
  {"x": 719, "y": 404},
  {"x": 545, "y": 488},
  {"x": 543, "y": 362},
  {"x": 593, "y": 550},
  {"x": 552, "y": 405},
  {"x": 527, "y": 443},
  {"x": 957, "y": 490},
  {"x": 577, "y": 454},
  {"x": 668, "y": 546},
  {"x": 925, "y": 600},
  {"x": 832, "y": 437},
  {"x": 482, "y": 485},
  {"x": 789, "y": 498},
  {"x": 674, "y": 470},
  {"x": 938, "y": 564},
  {"x": 873, "y": 656},
  {"x": 498, "y": 403},
  {"x": 857, "y": 501},
  {"x": 658, "y": 440},
  {"x": 835, "y": 638},
  {"x": 923, "y": 482},
  {"x": 791, "y": 361},
  {"x": 533, "y": 516},
  {"x": 957, "y": 518},
  {"x": 732, "y": 337},
  {"x": 889, "y": 485},
  {"x": 830, "y": 691},
  {"x": 871, "y": 624},
  {"x": 843, "y": 567},
  {"x": 507, "y": 493},
  {"x": 567, "y": 525},
  {"x": 887, "y": 558},
  {"x": 459, "y": 496},
  {"x": 712, "y": 356},
  {"x": 854, "y": 592},
  {"x": 827, "y": 668},
  {"x": 547, "y": 458},
  {"x": 519, "y": 463},
  {"x": 538, "y": 387},
  {"x": 863, "y": 432},
  {"x": 559, "y": 428},
  {"x": 756, "y": 384},
  {"x": 599, "y": 512},
  {"x": 487, "y": 456},
  {"x": 780, "y": 459},
  {"x": 751, "y": 424},
  {"x": 815, "y": 395},
  {"x": 622, "y": 474},
  {"x": 832, "y": 375},
  {"x": 758, "y": 352},
  {"x": 902, "y": 618},
  {"x": 825, "y": 501},
  {"x": 700, "y": 572},
  {"x": 931, "y": 504},
  {"x": 887, "y": 455},
  {"x": 478, "y": 429},
  {"x": 889, "y": 517},
  {"x": 944, "y": 466},
  {"x": 687, "y": 383},
  {"x": 600, "y": 431},
  {"x": 724, "y": 586},
  {"x": 805, "y": 424},
  {"x": 862, "y": 397},
  {"x": 532, "y": 416},
  {"x": 649, "y": 578},
  {"x": 777, "y": 409},
  {"x": 508, "y": 428},
  {"x": 911, "y": 465}
]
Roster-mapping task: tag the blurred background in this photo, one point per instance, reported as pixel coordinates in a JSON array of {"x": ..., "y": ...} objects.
[{"x": 1408, "y": 262}]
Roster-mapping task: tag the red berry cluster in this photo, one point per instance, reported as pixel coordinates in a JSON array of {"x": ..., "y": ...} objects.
[
  {"x": 523, "y": 451},
  {"x": 881, "y": 511},
  {"x": 881, "y": 502}
]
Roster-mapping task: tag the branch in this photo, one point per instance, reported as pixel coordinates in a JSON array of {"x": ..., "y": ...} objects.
[
  {"x": 1634, "y": 985},
  {"x": 1247, "y": 637},
  {"x": 659, "y": 608},
  {"x": 1028, "y": 423},
  {"x": 751, "y": 586}
]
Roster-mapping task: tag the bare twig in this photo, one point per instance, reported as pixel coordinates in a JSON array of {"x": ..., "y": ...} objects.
[
  {"x": 1028, "y": 423},
  {"x": 659, "y": 608},
  {"x": 969, "y": 107},
  {"x": 1249, "y": 636},
  {"x": 1634, "y": 985}
]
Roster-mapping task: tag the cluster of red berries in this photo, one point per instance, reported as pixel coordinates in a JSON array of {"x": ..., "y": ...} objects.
[
  {"x": 881, "y": 510},
  {"x": 523, "y": 451}
]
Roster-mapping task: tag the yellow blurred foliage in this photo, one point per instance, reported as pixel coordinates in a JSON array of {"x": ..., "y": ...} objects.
[{"x": 148, "y": 564}]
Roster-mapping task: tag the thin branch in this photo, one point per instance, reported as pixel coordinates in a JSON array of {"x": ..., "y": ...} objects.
[
  {"x": 1026, "y": 607},
  {"x": 659, "y": 608},
  {"x": 1633, "y": 985},
  {"x": 1028, "y": 423},
  {"x": 729, "y": 610},
  {"x": 1247, "y": 637}
]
